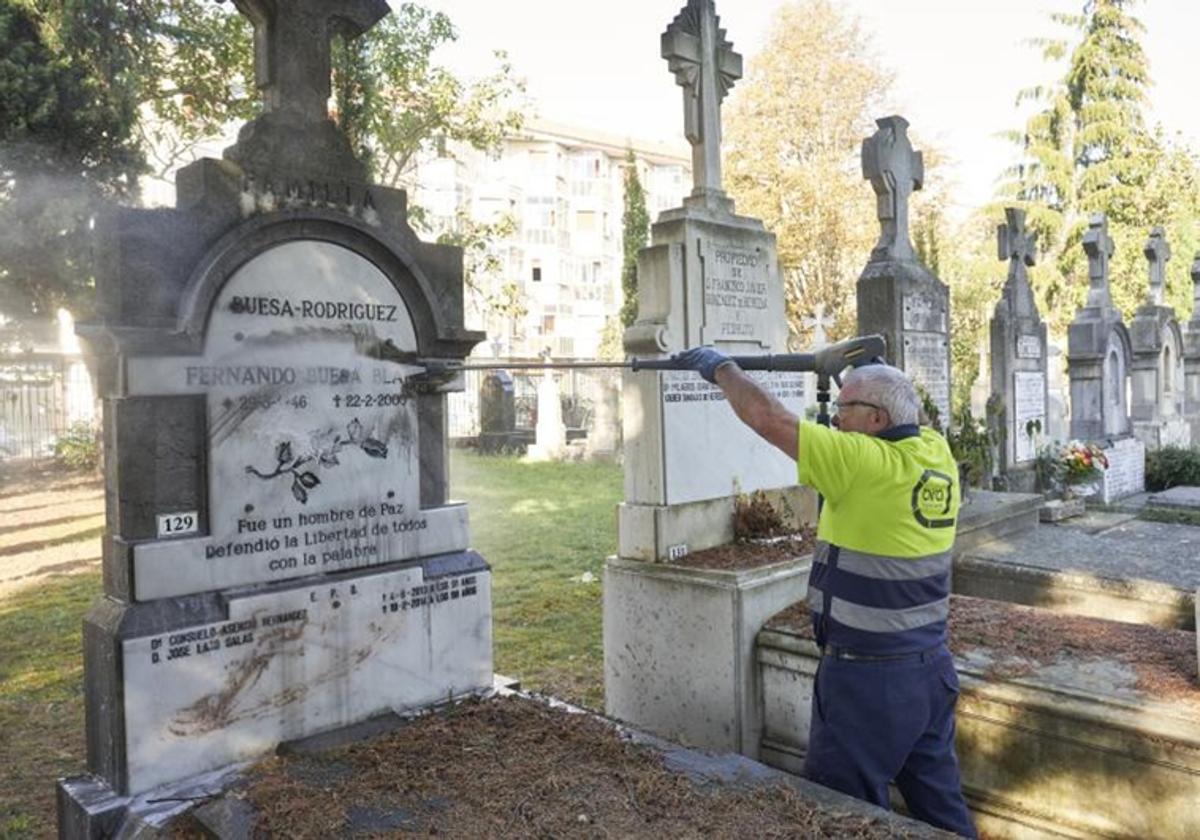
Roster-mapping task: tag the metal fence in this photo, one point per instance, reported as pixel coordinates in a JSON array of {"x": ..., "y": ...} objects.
[
  {"x": 41, "y": 397},
  {"x": 577, "y": 393}
]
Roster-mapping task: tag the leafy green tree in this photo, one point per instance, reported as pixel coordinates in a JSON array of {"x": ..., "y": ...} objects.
[
  {"x": 395, "y": 102},
  {"x": 1088, "y": 150},
  {"x": 88, "y": 88},
  {"x": 792, "y": 137},
  {"x": 635, "y": 221}
]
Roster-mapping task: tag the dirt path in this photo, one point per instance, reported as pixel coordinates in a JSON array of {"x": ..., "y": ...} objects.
[{"x": 51, "y": 522}]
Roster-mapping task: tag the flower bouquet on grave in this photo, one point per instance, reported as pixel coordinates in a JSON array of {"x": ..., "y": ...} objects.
[{"x": 1081, "y": 466}]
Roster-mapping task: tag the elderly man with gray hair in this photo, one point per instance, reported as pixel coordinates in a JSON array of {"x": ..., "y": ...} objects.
[{"x": 879, "y": 590}]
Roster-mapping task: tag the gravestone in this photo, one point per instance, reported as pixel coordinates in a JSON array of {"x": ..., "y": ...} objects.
[
  {"x": 1098, "y": 349},
  {"x": 677, "y": 640},
  {"x": 819, "y": 322},
  {"x": 1191, "y": 356},
  {"x": 898, "y": 297},
  {"x": 604, "y": 428},
  {"x": 1099, "y": 356},
  {"x": 1158, "y": 364},
  {"x": 497, "y": 413},
  {"x": 708, "y": 277},
  {"x": 550, "y": 432},
  {"x": 981, "y": 388},
  {"x": 280, "y": 556},
  {"x": 1056, "y": 394},
  {"x": 1018, "y": 357}
]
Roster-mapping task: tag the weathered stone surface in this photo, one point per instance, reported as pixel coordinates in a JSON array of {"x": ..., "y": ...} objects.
[
  {"x": 1019, "y": 355},
  {"x": 679, "y": 647},
  {"x": 1180, "y": 498},
  {"x": 1099, "y": 353},
  {"x": 1056, "y": 510},
  {"x": 1073, "y": 746},
  {"x": 898, "y": 297},
  {"x": 1119, "y": 568}
]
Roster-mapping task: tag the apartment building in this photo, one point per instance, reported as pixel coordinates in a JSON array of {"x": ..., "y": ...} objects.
[{"x": 563, "y": 190}]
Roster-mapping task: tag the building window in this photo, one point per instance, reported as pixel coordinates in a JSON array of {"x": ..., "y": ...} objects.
[
  {"x": 585, "y": 221},
  {"x": 537, "y": 273}
]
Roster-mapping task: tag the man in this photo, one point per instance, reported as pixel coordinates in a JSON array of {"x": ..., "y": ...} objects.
[{"x": 879, "y": 590}]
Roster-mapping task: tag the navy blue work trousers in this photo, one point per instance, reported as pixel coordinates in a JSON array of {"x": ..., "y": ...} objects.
[{"x": 874, "y": 722}]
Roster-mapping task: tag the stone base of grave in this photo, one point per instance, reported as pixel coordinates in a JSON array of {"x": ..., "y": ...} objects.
[
  {"x": 679, "y": 647},
  {"x": 1134, "y": 601},
  {"x": 1186, "y": 499},
  {"x": 1060, "y": 750},
  {"x": 988, "y": 515},
  {"x": 659, "y": 532},
  {"x": 1126, "y": 473},
  {"x": 1159, "y": 433},
  {"x": 187, "y": 685},
  {"x": 1056, "y": 510}
]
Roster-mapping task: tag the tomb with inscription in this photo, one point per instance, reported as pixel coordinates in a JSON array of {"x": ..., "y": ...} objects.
[
  {"x": 709, "y": 276},
  {"x": 1099, "y": 357},
  {"x": 1018, "y": 359},
  {"x": 497, "y": 413},
  {"x": 1191, "y": 357},
  {"x": 898, "y": 297},
  {"x": 1157, "y": 395},
  {"x": 281, "y": 557}
]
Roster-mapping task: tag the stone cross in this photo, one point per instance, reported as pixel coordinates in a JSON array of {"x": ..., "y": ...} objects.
[
  {"x": 1158, "y": 254},
  {"x": 819, "y": 323},
  {"x": 706, "y": 67},
  {"x": 1016, "y": 245},
  {"x": 895, "y": 171},
  {"x": 1099, "y": 247},
  {"x": 292, "y": 48}
]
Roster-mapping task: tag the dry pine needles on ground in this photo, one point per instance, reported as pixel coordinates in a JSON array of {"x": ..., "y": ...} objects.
[{"x": 514, "y": 767}]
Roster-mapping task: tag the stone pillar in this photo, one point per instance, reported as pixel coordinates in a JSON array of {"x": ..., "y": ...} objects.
[
  {"x": 550, "y": 434},
  {"x": 898, "y": 297}
]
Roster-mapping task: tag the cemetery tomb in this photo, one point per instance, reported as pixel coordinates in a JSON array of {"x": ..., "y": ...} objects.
[
  {"x": 1066, "y": 726},
  {"x": 1158, "y": 365},
  {"x": 709, "y": 276},
  {"x": 898, "y": 297},
  {"x": 1191, "y": 355},
  {"x": 1099, "y": 352},
  {"x": 1106, "y": 565},
  {"x": 281, "y": 557},
  {"x": 1018, "y": 360},
  {"x": 546, "y": 770}
]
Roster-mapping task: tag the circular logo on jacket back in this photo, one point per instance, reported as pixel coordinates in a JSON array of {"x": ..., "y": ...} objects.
[{"x": 932, "y": 497}]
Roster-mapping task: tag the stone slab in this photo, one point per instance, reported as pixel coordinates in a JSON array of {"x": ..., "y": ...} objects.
[
  {"x": 1056, "y": 510},
  {"x": 1126, "y": 473},
  {"x": 1069, "y": 748},
  {"x": 291, "y": 662},
  {"x": 1176, "y": 498},
  {"x": 679, "y": 647},
  {"x": 988, "y": 515},
  {"x": 308, "y": 414},
  {"x": 1104, "y": 565}
]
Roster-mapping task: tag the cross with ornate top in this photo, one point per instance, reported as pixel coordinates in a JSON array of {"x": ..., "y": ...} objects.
[
  {"x": 1158, "y": 254},
  {"x": 706, "y": 67},
  {"x": 292, "y": 47},
  {"x": 895, "y": 172},
  {"x": 1016, "y": 245},
  {"x": 1099, "y": 247}
]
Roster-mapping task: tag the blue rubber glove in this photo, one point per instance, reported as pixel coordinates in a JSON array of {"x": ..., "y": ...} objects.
[{"x": 703, "y": 360}]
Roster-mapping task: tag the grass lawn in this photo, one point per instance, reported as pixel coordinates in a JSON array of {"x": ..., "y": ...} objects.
[{"x": 542, "y": 527}]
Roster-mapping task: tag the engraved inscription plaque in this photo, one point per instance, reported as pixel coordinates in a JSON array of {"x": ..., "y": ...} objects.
[
  {"x": 1029, "y": 413},
  {"x": 927, "y": 361}
]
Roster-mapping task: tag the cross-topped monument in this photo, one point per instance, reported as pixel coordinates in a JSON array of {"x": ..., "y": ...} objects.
[
  {"x": 1099, "y": 247},
  {"x": 819, "y": 323},
  {"x": 895, "y": 171},
  {"x": 1017, "y": 246},
  {"x": 292, "y": 49},
  {"x": 1158, "y": 254},
  {"x": 706, "y": 67}
]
